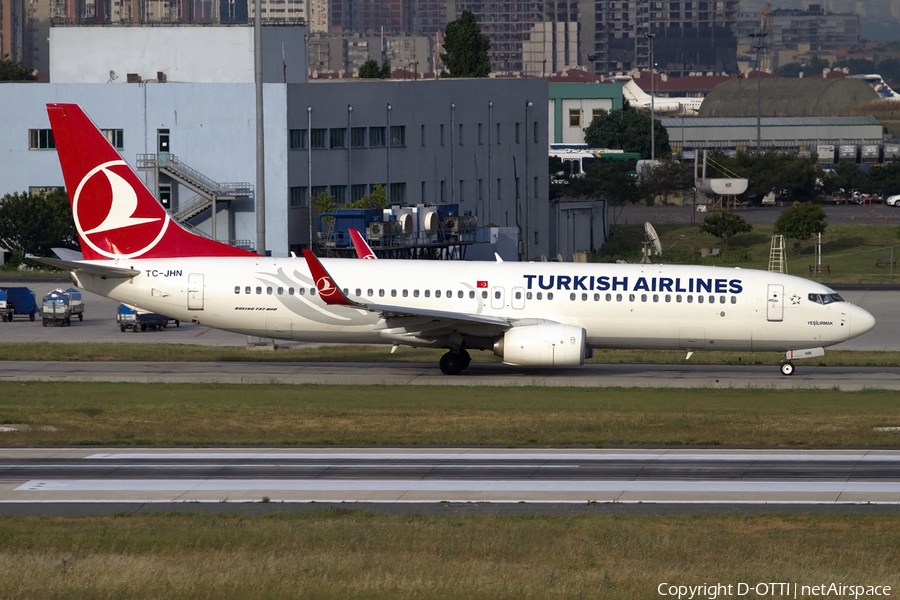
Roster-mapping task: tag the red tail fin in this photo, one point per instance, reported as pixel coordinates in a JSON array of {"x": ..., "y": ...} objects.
[
  {"x": 115, "y": 214},
  {"x": 359, "y": 244}
]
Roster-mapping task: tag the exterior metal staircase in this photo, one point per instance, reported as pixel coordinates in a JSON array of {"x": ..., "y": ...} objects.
[{"x": 208, "y": 191}]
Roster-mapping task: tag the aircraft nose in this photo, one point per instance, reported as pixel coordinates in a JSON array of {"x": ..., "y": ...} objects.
[{"x": 861, "y": 321}]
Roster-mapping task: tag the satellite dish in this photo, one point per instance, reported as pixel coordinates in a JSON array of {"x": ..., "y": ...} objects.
[
  {"x": 651, "y": 240},
  {"x": 112, "y": 76}
]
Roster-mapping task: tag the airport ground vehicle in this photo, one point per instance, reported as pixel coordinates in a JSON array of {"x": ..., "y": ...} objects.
[
  {"x": 139, "y": 320},
  {"x": 60, "y": 306},
  {"x": 17, "y": 301}
]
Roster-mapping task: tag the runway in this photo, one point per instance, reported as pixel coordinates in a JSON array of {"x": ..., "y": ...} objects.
[
  {"x": 438, "y": 475},
  {"x": 685, "y": 375}
]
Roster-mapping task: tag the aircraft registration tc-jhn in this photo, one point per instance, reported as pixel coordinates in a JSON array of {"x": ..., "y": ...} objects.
[{"x": 529, "y": 314}]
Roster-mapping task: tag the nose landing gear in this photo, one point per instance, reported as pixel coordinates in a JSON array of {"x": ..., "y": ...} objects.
[{"x": 787, "y": 368}]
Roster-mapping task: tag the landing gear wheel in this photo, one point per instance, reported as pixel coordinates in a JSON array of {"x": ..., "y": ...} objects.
[
  {"x": 787, "y": 368},
  {"x": 452, "y": 363}
]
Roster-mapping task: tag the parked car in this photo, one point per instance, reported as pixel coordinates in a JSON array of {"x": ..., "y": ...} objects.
[{"x": 893, "y": 200}]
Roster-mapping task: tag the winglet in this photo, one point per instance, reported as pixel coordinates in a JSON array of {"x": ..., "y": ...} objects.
[
  {"x": 328, "y": 289},
  {"x": 359, "y": 244}
]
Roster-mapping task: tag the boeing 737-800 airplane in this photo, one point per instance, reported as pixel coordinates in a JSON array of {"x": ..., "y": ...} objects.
[{"x": 529, "y": 314}]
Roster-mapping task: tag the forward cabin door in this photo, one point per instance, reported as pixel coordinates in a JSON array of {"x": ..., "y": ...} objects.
[
  {"x": 195, "y": 291},
  {"x": 498, "y": 297},
  {"x": 775, "y": 302}
]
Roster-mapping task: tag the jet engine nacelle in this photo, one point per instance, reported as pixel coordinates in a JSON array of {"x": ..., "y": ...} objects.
[{"x": 543, "y": 345}]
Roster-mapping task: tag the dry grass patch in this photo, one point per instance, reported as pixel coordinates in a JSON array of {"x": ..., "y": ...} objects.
[{"x": 357, "y": 555}]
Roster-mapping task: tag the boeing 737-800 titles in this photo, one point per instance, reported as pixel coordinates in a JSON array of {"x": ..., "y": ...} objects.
[{"x": 530, "y": 314}]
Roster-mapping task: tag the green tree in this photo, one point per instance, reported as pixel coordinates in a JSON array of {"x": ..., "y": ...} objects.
[
  {"x": 629, "y": 130},
  {"x": 34, "y": 224},
  {"x": 665, "y": 178},
  {"x": 612, "y": 181},
  {"x": 371, "y": 70},
  {"x": 11, "y": 71},
  {"x": 377, "y": 198},
  {"x": 724, "y": 225},
  {"x": 466, "y": 49},
  {"x": 801, "y": 221}
]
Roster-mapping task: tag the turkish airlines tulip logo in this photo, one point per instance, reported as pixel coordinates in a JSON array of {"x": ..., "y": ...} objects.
[
  {"x": 107, "y": 220},
  {"x": 326, "y": 287}
]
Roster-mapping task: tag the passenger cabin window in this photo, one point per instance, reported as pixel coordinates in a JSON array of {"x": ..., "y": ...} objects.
[
  {"x": 259, "y": 290},
  {"x": 237, "y": 289}
]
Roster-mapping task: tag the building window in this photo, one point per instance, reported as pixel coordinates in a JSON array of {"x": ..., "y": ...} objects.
[
  {"x": 443, "y": 191},
  {"x": 338, "y": 138},
  {"x": 596, "y": 113},
  {"x": 298, "y": 139},
  {"x": 116, "y": 137},
  {"x": 398, "y": 193},
  {"x": 481, "y": 190},
  {"x": 376, "y": 137},
  {"x": 498, "y": 134},
  {"x": 298, "y": 197},
  {"x": 462, "y": 194},
  {"x": 318, "y": 190},
  {"x": 358, "y": 137},
  {"x": 480, "y": 141},
  {"x": 534, "y": 188},
  {"x": 339, "y": 193},
  {"x": 422, "y": 134},
  {"x": 534, "y": 135},
  {"x": 317, "y": 138},
  {"x": 357, "y": 192},
  {"x": 41, "y": 139},
  {"x": 442, "y": 134},
  {"x": 398, "y": 135},
  {"x": 518, "y": 127},
  {"x": 574, "y": 117},
  {"x": 460, "y": 134}
]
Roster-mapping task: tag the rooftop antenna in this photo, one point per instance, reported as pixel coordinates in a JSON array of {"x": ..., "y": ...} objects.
[{"x": 651, "y": 240}]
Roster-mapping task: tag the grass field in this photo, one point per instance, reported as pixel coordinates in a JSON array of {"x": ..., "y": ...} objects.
[
  {"x": 340, "y": 554},
  {"x": 226, "y": 414},
  {"x": 850, "y": 250}
]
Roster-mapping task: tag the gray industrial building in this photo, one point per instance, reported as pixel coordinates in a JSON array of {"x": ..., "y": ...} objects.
[
  {"x": 789, "y": 134},
  {"x": 479, "y": 144}
]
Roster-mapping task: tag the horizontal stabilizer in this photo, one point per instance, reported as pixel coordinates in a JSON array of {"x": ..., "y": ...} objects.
[
  {"x": 91, "y": 268},
  {"x": 66, "y": 254}
]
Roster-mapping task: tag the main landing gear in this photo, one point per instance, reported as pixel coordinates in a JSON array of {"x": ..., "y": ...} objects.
[
  {"x": 787, "y": 368},
  {"x": 453, "y": 363}
]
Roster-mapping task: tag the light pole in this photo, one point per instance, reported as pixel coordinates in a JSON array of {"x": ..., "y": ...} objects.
[
  {"x": 740, "y": 96},
  {"x": 759, "y": 43},
  {"x": 650, "y": 37},
  {"x": 309, "y": 197},
  {"x": 349, "y": 153},
  {"x": 528, "y": 104},
  {"x": 387, "y": 192}
]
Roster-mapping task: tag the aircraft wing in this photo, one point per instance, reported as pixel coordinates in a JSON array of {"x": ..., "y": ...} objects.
[
  {"x": 104, "y": 271},
  {"x": 332, "y": 294}
]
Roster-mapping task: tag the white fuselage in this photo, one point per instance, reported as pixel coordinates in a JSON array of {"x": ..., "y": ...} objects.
[{"x": 618, "y": 305}]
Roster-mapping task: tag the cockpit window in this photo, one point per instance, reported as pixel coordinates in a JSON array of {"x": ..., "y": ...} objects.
[{"x": 825, "y": 298}]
